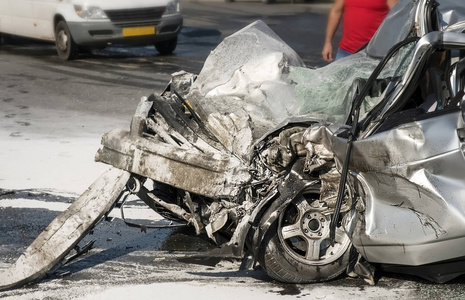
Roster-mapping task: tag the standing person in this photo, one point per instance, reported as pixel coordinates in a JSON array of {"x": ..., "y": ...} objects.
[{"x": 361, "y": 19}]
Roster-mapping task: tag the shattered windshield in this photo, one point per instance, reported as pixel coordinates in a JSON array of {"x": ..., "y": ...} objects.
[
  {"x": 323, "y": 92},
  {"x": 327, "y": 93}
]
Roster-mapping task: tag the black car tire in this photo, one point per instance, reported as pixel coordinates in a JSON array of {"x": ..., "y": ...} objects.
[
  {"x": 166, "y": 47},
  {"x": 282, "y": 262},
  {"x": 67, "y": 49},
  {"x": 5, "y": 39}
]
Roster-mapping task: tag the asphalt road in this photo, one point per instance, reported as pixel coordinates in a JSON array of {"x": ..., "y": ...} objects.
[
  {"x": 33, "y": 75},
  {"x": 40, "y": 93}
]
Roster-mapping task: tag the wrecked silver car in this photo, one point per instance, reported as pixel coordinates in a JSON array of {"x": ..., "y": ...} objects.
[{"x": 309, "y": 172}]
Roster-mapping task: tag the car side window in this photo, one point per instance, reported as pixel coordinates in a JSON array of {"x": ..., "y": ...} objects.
[
  {"x": 434, "y": 94},
  {"x": 443, "y": 82}
]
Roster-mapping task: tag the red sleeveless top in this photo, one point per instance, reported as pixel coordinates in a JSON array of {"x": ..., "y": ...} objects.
[{"x": 360, "y": 21}]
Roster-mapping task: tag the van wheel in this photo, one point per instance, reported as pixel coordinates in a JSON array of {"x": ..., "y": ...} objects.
[
  {"x": 297, "y": 249},
  {"x": 166, "y": 47},
  {"x": 66, "y": 47},
  {"x": 5, "y": 39}
]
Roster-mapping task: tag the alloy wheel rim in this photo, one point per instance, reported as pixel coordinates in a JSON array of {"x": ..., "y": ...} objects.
[
  {"x": 306, "y": 236},
  {"x": 62, "y": 40}
]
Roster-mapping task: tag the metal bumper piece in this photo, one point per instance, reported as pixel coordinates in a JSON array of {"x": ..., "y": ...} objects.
[{"x": 213, "y": 175}]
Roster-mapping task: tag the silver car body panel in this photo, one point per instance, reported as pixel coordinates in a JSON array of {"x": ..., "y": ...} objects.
[{"x": 414, "y": 190}]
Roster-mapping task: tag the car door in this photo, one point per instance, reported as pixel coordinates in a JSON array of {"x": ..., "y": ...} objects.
[
  {"x": 412, "y": 172},
  {"x": 43, "y": 14},
  {"x": 5, "y": 18},
  {"x": 21, "y": 17}
]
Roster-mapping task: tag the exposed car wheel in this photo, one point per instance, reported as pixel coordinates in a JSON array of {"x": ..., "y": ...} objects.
[
  {"x": 66, "y": 47},
  {"x": 166, "y": 47},
  {"x": 297, "y": 248}
]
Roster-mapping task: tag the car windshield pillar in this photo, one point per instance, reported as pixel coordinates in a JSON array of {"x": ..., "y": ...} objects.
[{"x": 424, "y": 47}]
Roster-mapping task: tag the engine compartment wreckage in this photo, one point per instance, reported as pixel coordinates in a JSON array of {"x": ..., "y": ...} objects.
[{"x": 310, "y": 172}]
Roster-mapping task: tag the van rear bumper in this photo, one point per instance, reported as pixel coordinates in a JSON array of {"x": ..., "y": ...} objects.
[{"x": 100, "y": 34}]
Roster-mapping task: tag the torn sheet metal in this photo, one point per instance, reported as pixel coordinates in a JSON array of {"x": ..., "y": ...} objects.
[
  {"x": 245, "y": 82},
  {"x": 65, "y": 231},
  {"x": 175, "y": 166}
]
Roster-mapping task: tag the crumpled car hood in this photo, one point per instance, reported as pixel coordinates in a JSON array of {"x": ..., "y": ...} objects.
[{"x": 253, "y": 81}]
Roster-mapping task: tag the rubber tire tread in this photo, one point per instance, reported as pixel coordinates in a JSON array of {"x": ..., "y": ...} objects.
[
  {"x": 284, "y": 268},
  {"x": 73, "y": 50},
  {"x": 166, "y": 47}
]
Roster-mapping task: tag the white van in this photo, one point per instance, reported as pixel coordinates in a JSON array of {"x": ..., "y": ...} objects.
[{"x": 78, "y": 24}]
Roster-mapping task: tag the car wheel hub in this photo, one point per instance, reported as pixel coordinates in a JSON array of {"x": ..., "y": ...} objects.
[
  {"x": 304, "y": 233},
  {"x": 62, "y": 40},
  {"x": 314, "y": 225}
]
